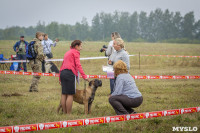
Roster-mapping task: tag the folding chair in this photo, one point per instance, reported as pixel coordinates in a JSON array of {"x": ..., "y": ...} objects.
[{"x": 3, "y": 65}]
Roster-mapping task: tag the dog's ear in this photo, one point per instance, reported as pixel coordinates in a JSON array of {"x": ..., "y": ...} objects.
[{"x": 90, "y": 83}]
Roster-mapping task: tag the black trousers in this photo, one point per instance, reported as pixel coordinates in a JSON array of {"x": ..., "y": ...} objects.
[
  {"x": 43, "y": 67},
  {"x": 122, "y": 104}
]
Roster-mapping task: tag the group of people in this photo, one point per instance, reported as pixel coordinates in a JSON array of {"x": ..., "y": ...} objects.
[
  {"x": 20, "y": 49},
  {"x": 124, "y": 93},
  {"x": 42, "y": 47}
]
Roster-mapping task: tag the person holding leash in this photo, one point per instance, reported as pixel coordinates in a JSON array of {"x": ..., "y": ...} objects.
[
  {"x": 69, "y": 70},
  {"x": 126, "y": 94}
]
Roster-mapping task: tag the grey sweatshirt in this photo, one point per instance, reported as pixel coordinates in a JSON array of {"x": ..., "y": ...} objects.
[
  {"x": 120, "y": 55},
  {"x": 125, "y": 85}
]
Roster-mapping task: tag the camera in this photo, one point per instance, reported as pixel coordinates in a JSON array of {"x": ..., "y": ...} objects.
[
  {"x": 102, "y": 49},
  {"x": 20, "y": 49}
]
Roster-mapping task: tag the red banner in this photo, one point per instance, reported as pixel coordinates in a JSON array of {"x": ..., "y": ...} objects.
[
  {"x": 102, "y": 76},
  {"x": 99, "y": 120}
]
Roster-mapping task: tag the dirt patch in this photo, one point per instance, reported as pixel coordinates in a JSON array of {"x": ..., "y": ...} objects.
[{"x": 13, "y": 94}]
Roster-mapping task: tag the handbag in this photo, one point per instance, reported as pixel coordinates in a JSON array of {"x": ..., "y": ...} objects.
[{"x": 49, "y": 55}]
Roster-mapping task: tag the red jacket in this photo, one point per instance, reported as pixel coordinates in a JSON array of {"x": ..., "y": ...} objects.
[{"x": 71, "y": 61}]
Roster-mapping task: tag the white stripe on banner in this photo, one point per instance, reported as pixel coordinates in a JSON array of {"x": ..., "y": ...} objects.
[
  {"x": 87, "y": 58},
  {"x": 101, "y": 57}
]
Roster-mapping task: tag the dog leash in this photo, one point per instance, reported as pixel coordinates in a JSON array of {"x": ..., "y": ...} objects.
[{"x": 84, "y": 88}]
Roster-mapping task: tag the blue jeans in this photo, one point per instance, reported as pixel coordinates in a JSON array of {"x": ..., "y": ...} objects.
[
  {"x": 112, "y": 83},
  {"x": 21, "y": 57}
]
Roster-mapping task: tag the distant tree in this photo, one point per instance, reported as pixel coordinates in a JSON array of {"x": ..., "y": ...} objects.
[
  {"x": 143, "y": 25},
  {"x": 1, "y": 34},
  {"x": 166, "y": 25},
  {"x": 134, "y": 28},
  {"x": 40, "y": 26},
  {"x": 52, "y": 30},
  {"x": 188, "y": 25},
  {"x": 30, "y": 31},
  {"x": 11, "y": 33},
  {"x": 106, "y": 25},
  {"x": 158, "y": 26},
  {"x": 21, "y": 31},
  {"x": 177, "y": 25},
  {"x": 124, "y": 25},
  {"x": 155, "y": 19},
  {"x": 84, "y": 29},
  {"x": 197, "y": 30},
  {"x": 115, "y": 20},
  {"x": 96, "y": 29},
  {"x": 64, "y": 32}
]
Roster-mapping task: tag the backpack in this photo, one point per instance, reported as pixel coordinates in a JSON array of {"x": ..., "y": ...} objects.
[{"x": 30, "y": 52}]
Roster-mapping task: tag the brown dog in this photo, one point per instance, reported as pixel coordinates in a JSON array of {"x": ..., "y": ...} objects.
[{"x": 86, "y": 96}]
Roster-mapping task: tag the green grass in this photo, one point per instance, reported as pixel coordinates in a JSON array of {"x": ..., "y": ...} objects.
[{"x": 158, "y": 94}]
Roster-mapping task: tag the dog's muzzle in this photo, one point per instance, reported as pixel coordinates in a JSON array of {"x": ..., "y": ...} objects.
[{"x": 100, "y": 83}]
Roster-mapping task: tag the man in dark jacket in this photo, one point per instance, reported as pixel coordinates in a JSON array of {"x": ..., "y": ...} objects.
[{"x": 20, "y": 49}]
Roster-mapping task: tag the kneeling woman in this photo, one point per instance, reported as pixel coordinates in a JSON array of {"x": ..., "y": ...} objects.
[
  {"x": 126, "y": 94},
  {"x": 69, "y": 73}
]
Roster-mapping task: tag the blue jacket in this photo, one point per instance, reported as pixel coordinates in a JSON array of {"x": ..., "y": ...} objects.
[{"x": 18, "y": 43}]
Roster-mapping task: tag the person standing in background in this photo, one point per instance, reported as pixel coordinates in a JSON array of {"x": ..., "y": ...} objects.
[
  {"x": 109, "y": 51},
  {"x": 36, "y": 64},
  {"x": 20, "y": 49},
  {"x": 47, "y": 43},
  {"x": 119, "y": 54}
]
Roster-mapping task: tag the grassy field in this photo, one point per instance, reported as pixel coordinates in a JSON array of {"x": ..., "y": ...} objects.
[{"x": 29, "y": 108}]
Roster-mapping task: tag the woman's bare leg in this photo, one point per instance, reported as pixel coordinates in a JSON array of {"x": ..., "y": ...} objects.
[
  {"x": 69, "y": 102},
  {"x": 63, "y": 103}
]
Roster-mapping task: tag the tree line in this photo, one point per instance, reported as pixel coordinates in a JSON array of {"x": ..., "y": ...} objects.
[{"x": 157, "y": 26}]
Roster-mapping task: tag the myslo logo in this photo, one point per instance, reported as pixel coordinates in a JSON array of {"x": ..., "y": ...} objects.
[{"x": 184, "y": 129}]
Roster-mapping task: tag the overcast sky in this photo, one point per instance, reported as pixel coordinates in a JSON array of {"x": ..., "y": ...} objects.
[{"x": 29, "y": 12}]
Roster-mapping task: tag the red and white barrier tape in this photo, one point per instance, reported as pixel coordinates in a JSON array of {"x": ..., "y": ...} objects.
[
  {"x": 87, "y": 58},
  {"x": 174, "y": 56},
  {"x": 101, "y": 76},
  {"x": 99, "y": 120},
  {"x": 93, "y": 58}
]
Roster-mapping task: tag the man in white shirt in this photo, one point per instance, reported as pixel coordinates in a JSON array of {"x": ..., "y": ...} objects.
[{"x": 47, "y": 43}]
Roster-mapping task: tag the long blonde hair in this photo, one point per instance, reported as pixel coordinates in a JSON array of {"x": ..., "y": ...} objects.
[{"x": 120, "y": 42}]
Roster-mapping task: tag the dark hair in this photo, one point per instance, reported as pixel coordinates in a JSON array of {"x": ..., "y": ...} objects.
[
  {"x": 45, "y": 35},
  {"x": 75, "y": 42}
]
